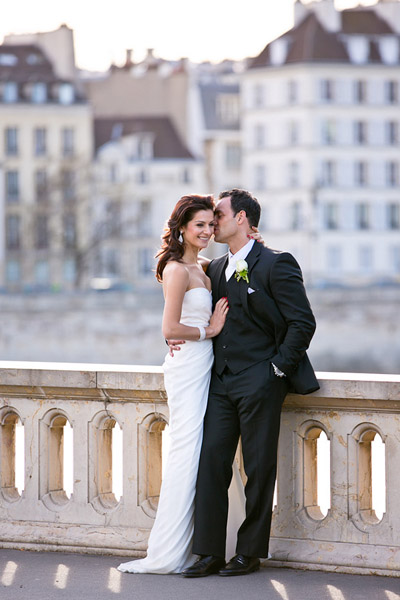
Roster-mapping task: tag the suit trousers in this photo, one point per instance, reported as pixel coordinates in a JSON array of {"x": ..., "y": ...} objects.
[{"x": 246, "y": 404}]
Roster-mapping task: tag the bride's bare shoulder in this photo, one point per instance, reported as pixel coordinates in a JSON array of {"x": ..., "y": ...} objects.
[
  {"x": 175, "y": 270},
  {"x": 204, "y": 262}
]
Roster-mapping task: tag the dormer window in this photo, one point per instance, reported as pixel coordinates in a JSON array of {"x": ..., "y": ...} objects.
[
  {"x": 8, "y": 60},
  {"x": 278, "y": 51},
  {"x": 358, "y": 48},
  {"x": 145, "y": 147},
  {"x": 389, "y": 50},
  {"x": 34, "y": 59},
  {"x": 227, "y": 108},
  {"x": 66, "y": 93},
  {"x": 10, "y": 92},
  {"x": 39, "y": 93}
]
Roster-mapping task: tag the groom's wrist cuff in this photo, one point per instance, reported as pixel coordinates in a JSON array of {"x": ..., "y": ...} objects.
[{"x": 277, "y": 371}]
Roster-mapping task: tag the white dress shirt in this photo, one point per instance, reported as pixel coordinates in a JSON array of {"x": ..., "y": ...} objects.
[
  {"x": 233, "y": 258},
  {"x": 230, "y": 270}
]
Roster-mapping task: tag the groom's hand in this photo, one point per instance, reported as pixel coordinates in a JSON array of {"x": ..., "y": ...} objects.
[{"x": 174, "y": 345}]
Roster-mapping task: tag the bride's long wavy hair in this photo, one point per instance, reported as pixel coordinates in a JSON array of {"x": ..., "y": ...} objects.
[{"x": 184, "y": 211}]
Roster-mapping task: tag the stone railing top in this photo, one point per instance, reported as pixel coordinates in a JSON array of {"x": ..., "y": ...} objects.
[{"x": 124, "y": 382}]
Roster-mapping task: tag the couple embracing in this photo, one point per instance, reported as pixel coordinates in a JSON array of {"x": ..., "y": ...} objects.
[{"x": 239, "y": 327}]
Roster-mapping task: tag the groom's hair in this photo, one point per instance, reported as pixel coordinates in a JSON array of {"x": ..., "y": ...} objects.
[{"x": 243, "y": 200}]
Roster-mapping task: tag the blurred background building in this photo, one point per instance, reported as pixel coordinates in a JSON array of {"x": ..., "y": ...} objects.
[{"x": 91, "y": 165}]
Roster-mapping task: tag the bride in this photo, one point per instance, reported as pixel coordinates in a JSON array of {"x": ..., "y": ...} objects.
[{"x": 187, "y": 316}]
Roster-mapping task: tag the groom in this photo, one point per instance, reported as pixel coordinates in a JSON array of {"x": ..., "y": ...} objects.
[{"x": 259, "y": 357}]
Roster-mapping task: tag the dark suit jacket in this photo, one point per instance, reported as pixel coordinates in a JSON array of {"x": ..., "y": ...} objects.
[{"x": 280, "y": 307}]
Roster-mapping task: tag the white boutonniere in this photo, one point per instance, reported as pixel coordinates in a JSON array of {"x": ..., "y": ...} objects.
[{"x": 242, "y": 270}]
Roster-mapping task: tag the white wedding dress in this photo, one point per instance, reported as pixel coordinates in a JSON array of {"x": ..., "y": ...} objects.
[{"x": 187, "y": 378}]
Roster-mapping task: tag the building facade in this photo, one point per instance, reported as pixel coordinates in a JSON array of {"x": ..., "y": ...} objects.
[
  {"x": 142, "y": 168},
  {"x": 45, "y": 156},
  {"x": 321, "y": 141}
]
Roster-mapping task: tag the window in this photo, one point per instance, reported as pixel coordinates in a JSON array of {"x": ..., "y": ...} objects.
[
  {"x": 111, "y": 262},
  {"x": 10, "y": 92},
  {"x": 328, "y": 175},
  {"x": 361, "y": 173},
  {"x": 395, "y": 258},
  {"x": 142, "y": 177},
  {"x": 334, "y": 258},
  {"x": 69, "y": 231},
  {"x": 392, "y": 174},
  {"x": 144, "y": 219},
  {"x": 12, "y": 186},
  {"x": 41, "y": 232},
  {"x": 362, "y": 216},
  {"x": 68, "y": 185},
  {"x": 293, "y": 133},
  {"x": 227, "y": 108},
  {"x": 186, "y": 175},
  {"x": 327, "y": 90},
  {"x": 69, "y": 270},
  {"x": 146, "y": 261},
  {"x": 145, "y": 147},
  {"x": 392, "y": 133},
  {"x": 40, "y": 141},
  {"x": 233, "y": 156},
  {"x": 294, "y": 173},
  {"x": 13, "y": 271},
  {"x": 292, "y": 91},
  {"x": 360, "y": 132},
  {"x": 259, "y": 177},
  {"x": 329, "y": 132},
  {"x": 67, "y": 141},
  {"x": 41, "y": 190},
  {"x": 11, "y": 141},
  {"x": 365, "y": 258},
  {"x": 391, "y": 92},
  {"x": 393, "y": 215},
  {"x": 66, "y": 93},
  {"x": 360, "y": 91},
  {"x": 42, "y": 272},
  {"x": 331, "y": 215},
  {"x": 13, "y": 239},
  {"x": 39, "y": 93},
  {"x": 258, "y": 95},
  {"x": 295, "y": 216},
  {"x": 8, "y": 60},
  {"x": 259, "y": 136}
]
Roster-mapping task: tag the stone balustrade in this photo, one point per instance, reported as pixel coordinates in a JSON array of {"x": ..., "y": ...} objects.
[{"x": 350, "y": 409}]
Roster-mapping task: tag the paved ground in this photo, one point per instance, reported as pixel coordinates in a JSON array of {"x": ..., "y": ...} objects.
[{"x": 47, "y": 576}]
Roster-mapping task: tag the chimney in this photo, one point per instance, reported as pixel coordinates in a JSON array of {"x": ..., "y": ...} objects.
[
  {"x": 128, "y": 61},
  {"x": 300, "y": 12},
  {"x": 327, "y": 15},
  {"x": 389, "y": 10}
]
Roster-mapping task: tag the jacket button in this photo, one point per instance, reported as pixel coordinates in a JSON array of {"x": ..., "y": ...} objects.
[{"x": 224, "y": 347}]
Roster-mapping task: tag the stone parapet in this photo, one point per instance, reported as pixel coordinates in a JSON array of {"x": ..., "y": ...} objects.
[{"x": 351, "y": 409}]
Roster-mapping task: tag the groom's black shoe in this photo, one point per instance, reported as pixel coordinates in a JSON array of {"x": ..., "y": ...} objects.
[
  {"x": 204, "y": 566},
  {"x": 240, "y": 565}
]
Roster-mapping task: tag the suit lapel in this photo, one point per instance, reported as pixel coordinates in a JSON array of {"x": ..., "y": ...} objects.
[
  {"x": 217, "y": 272},
  {"x": 251, "y": 259}
]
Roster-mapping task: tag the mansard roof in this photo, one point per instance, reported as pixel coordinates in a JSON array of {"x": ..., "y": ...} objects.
[
  {"x": 209, "y": 93},
  {"x": 24, "y": 63},
  {"x": 310, "y": 42},
  {"x": 362, "y": 21},
  {"x": 167, "y": 142}
]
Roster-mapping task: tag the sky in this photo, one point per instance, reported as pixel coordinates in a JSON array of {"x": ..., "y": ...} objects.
[{"x": 205, "y": 30}]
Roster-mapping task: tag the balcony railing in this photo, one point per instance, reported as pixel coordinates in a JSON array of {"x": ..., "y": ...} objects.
[{"x": 351, "y": 410}]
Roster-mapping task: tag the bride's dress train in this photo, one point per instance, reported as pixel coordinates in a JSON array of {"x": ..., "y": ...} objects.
[{"x": 187, "y": 378}]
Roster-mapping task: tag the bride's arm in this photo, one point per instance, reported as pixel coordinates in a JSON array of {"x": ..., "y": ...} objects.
[{"x": 175, "y": 284}]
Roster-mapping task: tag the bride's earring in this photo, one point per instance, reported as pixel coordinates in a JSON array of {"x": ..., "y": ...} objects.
[{"x": 180, "y": 238}]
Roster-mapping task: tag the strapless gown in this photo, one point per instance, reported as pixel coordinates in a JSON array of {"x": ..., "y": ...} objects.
[{"x": 187, "y": 378}]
